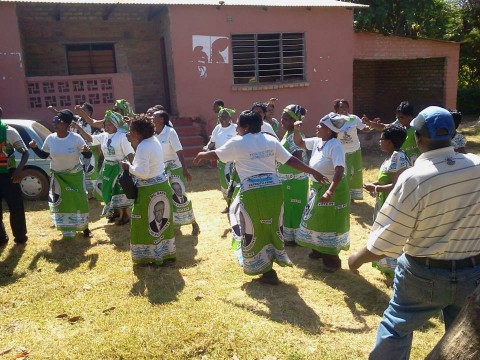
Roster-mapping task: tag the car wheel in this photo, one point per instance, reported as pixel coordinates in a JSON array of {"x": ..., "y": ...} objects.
[{"x": 34, "y": 184}]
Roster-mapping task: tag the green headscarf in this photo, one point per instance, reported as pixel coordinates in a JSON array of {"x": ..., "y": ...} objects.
[
  {"x": 222, "y": 110},
  {"x": 115, "y": 118},
  {"x": 296, "y": 112},
  {"x": 125, "y": 106}
]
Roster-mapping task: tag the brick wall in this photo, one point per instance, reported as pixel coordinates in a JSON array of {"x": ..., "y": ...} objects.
[
  {"x": 373, "y": 46},
  {"x": 136, "y": 40},
  {"x": 380, "y": 85}
]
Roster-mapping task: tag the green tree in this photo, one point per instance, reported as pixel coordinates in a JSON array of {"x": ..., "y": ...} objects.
[
  {"x": 466, "y": 30},
  {"x": 453, "y": 20},
  {"x": 425, "y": 18}
]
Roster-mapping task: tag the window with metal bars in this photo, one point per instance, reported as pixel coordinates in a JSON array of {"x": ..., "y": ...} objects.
[
  {"x": 91, "y": 59},
  {"x": 268, "y": 58}
]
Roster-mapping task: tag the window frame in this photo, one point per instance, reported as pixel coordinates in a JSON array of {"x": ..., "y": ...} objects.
[
  {"x": 93, "y": 57},
  {"x": 285, "y": 73}
]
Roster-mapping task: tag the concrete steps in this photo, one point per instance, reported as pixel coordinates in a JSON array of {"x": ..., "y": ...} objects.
[{"x": 189, "y": 132}]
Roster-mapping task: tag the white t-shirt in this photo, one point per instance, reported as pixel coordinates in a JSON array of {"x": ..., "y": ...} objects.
[
  {"x": 86, "y": 127},
  {"x": 253, "y": 154},
  {"x": 326, "y": 155},
  {"x": 221, "y": 135},
  {"x": 148, "y": 160},
  {"x": 267, "y": 128},
  {"x": 115, "y": 147},
  {"x": 64, "y": 152},
  {"x": 349, "y": 138},
  {"x": 14, "y": 142},
  {"x": 170, "y": 142}
]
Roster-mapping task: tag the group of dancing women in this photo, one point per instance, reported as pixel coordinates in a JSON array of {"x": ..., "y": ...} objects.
[
  {"x": 144, "y": 147},
  {"x": 293, "y": 191},
  {"x": 275, "y": 199}
]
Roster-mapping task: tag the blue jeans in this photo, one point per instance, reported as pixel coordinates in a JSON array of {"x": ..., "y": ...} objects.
[{"x": 420, "y": 293}]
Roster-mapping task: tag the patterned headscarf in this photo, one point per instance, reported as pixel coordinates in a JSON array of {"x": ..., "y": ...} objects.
[
  {"x": 125, "y": 107},
  {"x": 115, "y": 118},
  {"x": 336, "y": 122},
  {"x": 222, "y": 110},
  {"x": 296, "y": 112}
]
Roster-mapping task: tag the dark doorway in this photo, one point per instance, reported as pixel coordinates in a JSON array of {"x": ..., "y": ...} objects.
[
  {"x": 380, "y": 85},
  {"x": 166, "y": 82}
]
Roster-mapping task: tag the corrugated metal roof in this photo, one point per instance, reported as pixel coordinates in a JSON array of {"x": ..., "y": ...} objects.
[{"x": 273, "y": 3}]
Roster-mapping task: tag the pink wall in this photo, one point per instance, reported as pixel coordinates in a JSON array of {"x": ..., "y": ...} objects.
[
  {"x": 16, "y": 97},
  {"x": 370, "y": 46},
  {"x": 13, "y": 95},
  {"x": 329, "y": 60}
]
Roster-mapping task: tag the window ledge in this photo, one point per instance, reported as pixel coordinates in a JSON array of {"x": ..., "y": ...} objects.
[{"x": 247, "y": 87}]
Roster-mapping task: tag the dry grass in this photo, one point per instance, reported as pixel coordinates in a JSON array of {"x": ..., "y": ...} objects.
[{"x": 83, "y": 299}]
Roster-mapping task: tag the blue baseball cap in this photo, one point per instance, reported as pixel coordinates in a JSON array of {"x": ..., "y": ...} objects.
[{"x": 435, "y": 123}]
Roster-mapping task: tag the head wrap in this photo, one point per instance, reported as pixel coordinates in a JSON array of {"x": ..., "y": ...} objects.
[
  {"x": 115, "y": 118},
  {"x": 125, "y": 107},
  {"x": 222, "y": 110},
  {"x": 336, "y": 122},
  {"x": 296, "y": 112}
]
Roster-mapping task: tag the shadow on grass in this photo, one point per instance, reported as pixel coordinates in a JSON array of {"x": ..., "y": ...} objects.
[
  {"x": 68, "y": 254},
  {"x": 118, "y": 235},
  {"x": 362, "y": 213},
  {"x": 7, "y": 267},
  {"x": 360, "y": 296},
  {"x": 284, "y": 304},
  {"x": 161, "y": 284},
  {"x": 95, "y": 208}
]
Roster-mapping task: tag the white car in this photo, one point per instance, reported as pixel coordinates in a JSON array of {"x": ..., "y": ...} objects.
[{"x": 35, "y": 177}]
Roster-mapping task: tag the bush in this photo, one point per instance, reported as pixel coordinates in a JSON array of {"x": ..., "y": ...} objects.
[{"x": 468, "y": 101}]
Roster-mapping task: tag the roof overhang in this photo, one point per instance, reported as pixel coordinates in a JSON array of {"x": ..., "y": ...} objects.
[{"x": 272, "y": 3}]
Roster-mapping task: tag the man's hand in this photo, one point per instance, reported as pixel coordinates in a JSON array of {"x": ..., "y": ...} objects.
[
  {"x": 125, "y": 165},
  {"x": 16, "y": 176}
]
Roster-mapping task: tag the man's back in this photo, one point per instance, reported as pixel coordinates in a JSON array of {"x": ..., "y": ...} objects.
[{"x": 435, "y": 204}]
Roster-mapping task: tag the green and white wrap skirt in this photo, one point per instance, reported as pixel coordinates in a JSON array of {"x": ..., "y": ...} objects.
[
  {"x": 90, "y": 167},
  {"x": 295, "y": 194},
  {"x": 355, "y": 174},
  {"x": 387, "y": 264},
  {"x": 152, "y": 238},
  {"x": 325, "y": 226},
  {"x": 259, "y": 216},
  {"x": 233, "y": 211},
  {"x": 68, "y": 202},
  {"x": 182, "y": 206},
  {"x": 112, "y": 192},
  {"x": 224, "y": 171}
]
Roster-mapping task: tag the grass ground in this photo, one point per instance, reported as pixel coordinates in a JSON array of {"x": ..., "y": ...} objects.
[{"x": 83, "y": 299}]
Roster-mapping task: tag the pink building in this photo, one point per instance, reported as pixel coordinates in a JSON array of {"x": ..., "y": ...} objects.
[{"x": 185, "y": 54}]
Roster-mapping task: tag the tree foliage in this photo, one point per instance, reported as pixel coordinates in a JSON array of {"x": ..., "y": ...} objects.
[
  {"x": 467, "y": 31},
  {"x": 457, "y": 20}
]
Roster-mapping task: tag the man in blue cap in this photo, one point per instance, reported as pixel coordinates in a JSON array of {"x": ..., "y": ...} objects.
[{"x": 430, "y": 222}]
